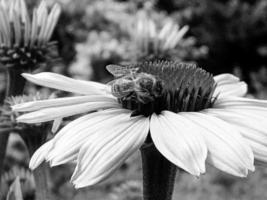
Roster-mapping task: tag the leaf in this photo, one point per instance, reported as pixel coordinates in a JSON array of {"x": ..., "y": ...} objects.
[{"x": 15, "y": 192}]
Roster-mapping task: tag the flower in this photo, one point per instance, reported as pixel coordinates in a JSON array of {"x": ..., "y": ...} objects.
[
  {"x": 24, "y": 43},
  {"x": 190, "y": 116},
  {"x": 151, "y": 41}
]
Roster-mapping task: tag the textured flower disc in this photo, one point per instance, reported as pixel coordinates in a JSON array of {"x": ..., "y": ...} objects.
[
  {"x": 28, "y": 58},
  {"x": 166, "y": 85}
]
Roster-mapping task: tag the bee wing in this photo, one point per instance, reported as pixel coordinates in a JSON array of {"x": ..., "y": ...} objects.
[{"x": 118, "y": 70}]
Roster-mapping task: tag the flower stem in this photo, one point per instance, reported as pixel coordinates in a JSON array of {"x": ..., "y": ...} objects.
[
  {"x": 41, "y": 181},
  {"x": 34, "y": 137},
  {"x": 15, "y": 82},
  {"x": 15, "y": 86},
  {"x": 158, "y": 174}
]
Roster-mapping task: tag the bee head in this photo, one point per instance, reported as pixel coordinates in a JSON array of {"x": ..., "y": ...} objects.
[{"x": 151, "y": 84}]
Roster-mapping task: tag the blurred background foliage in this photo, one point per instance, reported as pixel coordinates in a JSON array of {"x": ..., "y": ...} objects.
[{"x": 223, "y": 36}]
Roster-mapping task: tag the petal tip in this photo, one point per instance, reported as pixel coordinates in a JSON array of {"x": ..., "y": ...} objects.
[
  {"x": 26, "y": 75},
  {"x": 33, "y": 165},
  {"x": 252, "y": 168},
  {"x": 54, "y": 162}
]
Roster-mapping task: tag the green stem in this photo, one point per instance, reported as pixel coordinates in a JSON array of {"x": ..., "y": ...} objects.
[
  {"x": 34, "y": 137},
  {"x": 3, "y": 143},
  {"x": 15, "y": 86},
  {"x": 158, "y": 174},
  {"x": 15, "y": 82},
  {"x": 41, "y": 181}
]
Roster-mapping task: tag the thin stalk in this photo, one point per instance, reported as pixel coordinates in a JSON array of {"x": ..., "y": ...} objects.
[
  {"x": 158, "y": 174},
  {"x": 15, "y": 82},
  {"x": 15, "y": 86},
  {"x": 41, "y": 181},
  {"x": 34, "y": 137},
  {"x": 3, "y": 144}
]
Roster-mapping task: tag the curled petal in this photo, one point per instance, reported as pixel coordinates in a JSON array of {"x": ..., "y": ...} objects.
[
  {"x": 223, "y": 79},
  {"x": 238, "y": 89},
  {"x": 229, "y": 85}
]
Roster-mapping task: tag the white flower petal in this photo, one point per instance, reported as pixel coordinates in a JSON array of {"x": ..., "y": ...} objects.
[
  {"x": 259, "y": 150},
  {"x": 228, "y": 151},
  {"x": 52, "y": 21},
  {"x": 251, "y": 124},
  {"x": 253, "y": 119},
  {"x": 40, "y": 104},
  {"x": 187, "y": 131},
  {"x": 48, "y": 114},
  {"x": 56, "y": 125},
  {"x": 178, "y": 143},
  {"x": 240, "y": 102},
  {"x": 229, "y": 85},
  {"x": 258, "y": 143},
  {"x": 252, "y": 134},
  {"x": 99, "y": 158},
  {"x": 40, "y": 155},
  {"x": 225, "y": 79},
  {"x": 60, "y": 82},
  {"x": 69, "y": 140},
  {"x": 164, "y": 32},
  {"x": 238, "y": 89},
  {"x": 179, "y": 35},
  {"x": 257, "y": 140}
]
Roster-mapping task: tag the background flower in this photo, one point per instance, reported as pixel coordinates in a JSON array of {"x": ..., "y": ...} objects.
[{"x": 24, "y": 39}]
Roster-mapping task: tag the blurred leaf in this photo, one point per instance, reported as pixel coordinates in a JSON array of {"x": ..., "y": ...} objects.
[{"x": 15, "y": 192}]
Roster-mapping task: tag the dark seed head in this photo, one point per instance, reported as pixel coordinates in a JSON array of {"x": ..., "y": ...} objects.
[{"x": 26, "y": 58}]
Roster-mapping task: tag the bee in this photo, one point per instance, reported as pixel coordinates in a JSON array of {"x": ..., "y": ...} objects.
[
  {"x": 139, "y": 86},
  {"x": 124, "y": 84},
  {"x": 147, "y": 88}
]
